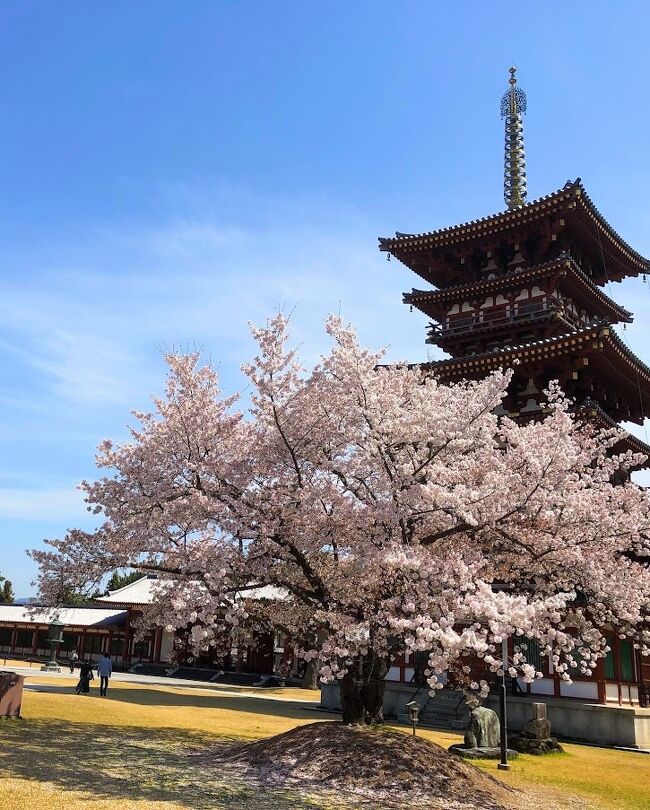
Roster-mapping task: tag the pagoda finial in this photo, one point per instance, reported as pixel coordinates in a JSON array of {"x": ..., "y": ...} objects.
[{"x": 513, "y": 105}]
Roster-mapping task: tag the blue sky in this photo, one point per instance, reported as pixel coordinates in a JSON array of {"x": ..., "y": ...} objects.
[{"x": 171, "y": 170}]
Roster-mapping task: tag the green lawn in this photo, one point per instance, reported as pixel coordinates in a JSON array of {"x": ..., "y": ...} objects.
[{"x": 134, "y": 750}]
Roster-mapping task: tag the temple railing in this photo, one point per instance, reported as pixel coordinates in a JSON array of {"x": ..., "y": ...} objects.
[{"x": 526, "y": 313}]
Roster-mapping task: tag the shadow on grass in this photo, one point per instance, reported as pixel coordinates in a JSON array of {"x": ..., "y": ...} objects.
[
  {"x": 128, "y": 762},
  {"x": 238, "y": 703}
]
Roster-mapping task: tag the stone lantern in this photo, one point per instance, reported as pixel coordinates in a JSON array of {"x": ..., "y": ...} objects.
[
  {"x": 54, "y": 639},
  {"x": 414, "y": 713}
]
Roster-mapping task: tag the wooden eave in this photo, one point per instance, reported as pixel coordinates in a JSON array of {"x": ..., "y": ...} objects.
[
  {"x": 599, "y": 343},
  {"x": 571, "y": 202},
  {"x": 582, "y": 290},
  {"x": 530, "y": 352},
  {"x": 592, "y": 412},
  {"x": 620, "y": 364}
]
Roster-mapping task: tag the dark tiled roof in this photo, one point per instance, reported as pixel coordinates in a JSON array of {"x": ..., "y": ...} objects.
[
  {"x": 592, "y": 410},
  {"x": 505, "y": 282},
  {"x": 560, "y": 344},
  {"x": 571, "y": 195}
]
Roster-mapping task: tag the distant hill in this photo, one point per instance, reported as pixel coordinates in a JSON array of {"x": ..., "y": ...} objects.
[{"x": 25, "y": 600}]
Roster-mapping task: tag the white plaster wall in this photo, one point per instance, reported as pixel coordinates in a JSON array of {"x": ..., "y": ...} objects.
[
  {"x": 570, "y": 719},
  {"x": 544, "y": 686},
  {"x": 587, "y": 722},
  {"x": 166, "y": 646},
  {"x": 579, "y": 689}
]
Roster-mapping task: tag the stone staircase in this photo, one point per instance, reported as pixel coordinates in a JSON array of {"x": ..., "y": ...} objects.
[{"x": 446, "y": 710}]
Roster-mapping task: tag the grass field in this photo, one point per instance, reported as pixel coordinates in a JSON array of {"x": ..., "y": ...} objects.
[{"x": 134, "y": 750}]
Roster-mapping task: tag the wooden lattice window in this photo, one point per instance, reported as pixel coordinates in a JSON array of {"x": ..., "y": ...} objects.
[
  {"x": 24, "y": 638},
  {"x": 626, "y": 652},
  {"x": 531, "y": 650}
]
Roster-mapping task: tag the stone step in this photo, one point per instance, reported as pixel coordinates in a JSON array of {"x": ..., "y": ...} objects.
[
  {"x": 437, "y": 722},
  {"x": 447, "y": 700},
  {"x": 446, "y": 710},
  {"x": 451, "y": 712},
  {"x": 425, "y": 722},
  {"x": 447, "y": 704},
  {"x": 449, "y": 708},
  {"x": 464, "y": 718}
]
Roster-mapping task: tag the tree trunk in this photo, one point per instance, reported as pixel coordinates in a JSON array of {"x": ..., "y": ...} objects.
[
  {"x": 372, "y": 696},
  {"x": 352, "y": 708},
  {"x": 310, "y": 676},
  {"x": 362, "y": 691}
]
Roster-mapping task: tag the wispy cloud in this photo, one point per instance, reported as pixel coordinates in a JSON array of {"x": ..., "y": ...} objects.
[
  {"x": 183, "y": 240},
  {"x": 60, "y": 504},
  {"x": 77, "y": 366},
  {"x": 82, "y": 326},
  {"x": 83, "y": 322}
]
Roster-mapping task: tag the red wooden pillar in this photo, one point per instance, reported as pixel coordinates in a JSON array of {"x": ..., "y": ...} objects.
[
  {"x": 599, "y": 674},
  {"x": 126, "y": 652},
  {"x": 14, "y": 634},
  {"x": 617, "y": 667},
  {"x": 157, "y": 645},
  {"x": 35, "y": 641},
  {"x": 284, "y": 664}
]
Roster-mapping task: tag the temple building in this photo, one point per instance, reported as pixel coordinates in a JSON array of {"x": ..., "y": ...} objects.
[
  {"x": 529, "y": 289},
  {"x": 525, "y": 289},
  {"x": 109, "y": 625}
]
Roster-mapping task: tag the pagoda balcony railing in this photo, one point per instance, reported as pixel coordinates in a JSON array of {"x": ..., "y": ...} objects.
[{"x": 526, "y": 313}]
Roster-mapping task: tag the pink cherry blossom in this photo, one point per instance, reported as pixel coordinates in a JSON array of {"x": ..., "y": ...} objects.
[{"x": 394, "y": 513}]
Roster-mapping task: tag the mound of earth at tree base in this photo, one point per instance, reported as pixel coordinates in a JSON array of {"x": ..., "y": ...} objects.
[{"x": 370, "y": 767}]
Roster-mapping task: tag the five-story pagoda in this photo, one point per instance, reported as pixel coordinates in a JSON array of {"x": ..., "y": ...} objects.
[{"x": 523, "y": 289}]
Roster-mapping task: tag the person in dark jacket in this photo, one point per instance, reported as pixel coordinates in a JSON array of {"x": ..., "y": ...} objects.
[{"x": 85, "y": 677}]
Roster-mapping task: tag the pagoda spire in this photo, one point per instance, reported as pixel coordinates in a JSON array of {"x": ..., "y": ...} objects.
[{"x": 513, "y": 105}]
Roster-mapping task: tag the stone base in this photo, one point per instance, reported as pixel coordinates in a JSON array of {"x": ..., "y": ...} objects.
[
  {"x": 480, "y": 753},
  {"x": 527, "y": 745},
  {"x": 50, "y": 667},
  {"x": 593, "y": 723}
]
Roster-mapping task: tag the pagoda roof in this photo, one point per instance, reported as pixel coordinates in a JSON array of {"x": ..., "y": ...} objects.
[
  {"x": 584, "y": 290},
  {"x": 571, "y": 201},
  {"x": 597, "y": 415},
  {"x": 599, "y": 342}
]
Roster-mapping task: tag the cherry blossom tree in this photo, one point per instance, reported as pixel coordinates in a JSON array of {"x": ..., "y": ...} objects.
[{"x": 391, "y": 513}]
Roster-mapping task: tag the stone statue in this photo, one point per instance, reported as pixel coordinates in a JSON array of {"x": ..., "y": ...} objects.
[
  {"x": 535, "y": 736},
  {"x": 482, "y": 737},
  {"x": 484, "y": 729}
]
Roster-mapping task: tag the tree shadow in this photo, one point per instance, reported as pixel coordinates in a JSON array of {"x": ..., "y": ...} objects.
[
  {"x": 295, "y": 710},
  {"x": 152, "y": 764}
]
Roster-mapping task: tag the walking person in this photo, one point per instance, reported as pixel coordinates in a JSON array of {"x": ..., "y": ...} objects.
[
  {"x": 104, "y": 670},
  {"x": 74, "y": 657},
  {"x": 85, "y": 677}
]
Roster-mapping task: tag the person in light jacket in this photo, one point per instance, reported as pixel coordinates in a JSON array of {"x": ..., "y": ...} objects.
[{"x": 104, "y": 670}]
